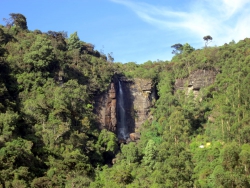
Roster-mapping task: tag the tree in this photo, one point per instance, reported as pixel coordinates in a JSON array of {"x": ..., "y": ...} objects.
[
  {"x": 208, "y": 39},
  {"x": 16, "y": 163},
  {"x": 187, "y": 49},
  {"x": 2, "y": 37},
  {"x": 40, "y": 54},
  {"x": 8, "y": 122},
  {"x": 74, "y": 42},
  {"x": 110, "y": 57},
  {"x": 18, "y": 20},
  {"x": 150, "y": 153},
  {"x": 130, "y": 152},
  {"x": 107, "y": 141},
  {"x": 177, "y": 48}
]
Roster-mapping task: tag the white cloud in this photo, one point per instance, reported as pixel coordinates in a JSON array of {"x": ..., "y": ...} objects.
[
  {"x": 232, "y": 6},
  {"x": 224, "y": 20}
]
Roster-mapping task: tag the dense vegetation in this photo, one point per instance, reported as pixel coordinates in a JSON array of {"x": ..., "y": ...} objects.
[{"x": 49, "y": 135}]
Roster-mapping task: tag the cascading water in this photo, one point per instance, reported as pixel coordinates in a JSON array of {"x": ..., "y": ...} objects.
[{"x": 122, "y": 127}]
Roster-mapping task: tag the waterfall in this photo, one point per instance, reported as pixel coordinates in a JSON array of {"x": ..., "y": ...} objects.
[{"x": 122, "y": 130}]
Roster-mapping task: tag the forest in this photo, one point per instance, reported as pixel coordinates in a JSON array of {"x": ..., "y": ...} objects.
[{"x": 49, "y": 135}]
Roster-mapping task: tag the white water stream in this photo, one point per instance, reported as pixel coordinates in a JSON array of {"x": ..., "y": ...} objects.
[{"x": 121, "y": 127}]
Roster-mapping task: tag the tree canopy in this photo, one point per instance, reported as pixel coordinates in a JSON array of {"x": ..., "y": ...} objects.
[
  {"x": 207, "y": 39},
  {"x": 18, "y": 20},
  {"x": 49, "y": 134}
]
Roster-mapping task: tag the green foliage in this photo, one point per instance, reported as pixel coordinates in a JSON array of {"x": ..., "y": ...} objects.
[
  {"x": 207, "y": 39},
  {"x": 48, "y": 134},
  {"x": 8, "y": 121},
  {"x": 48, "y": 131},
  {"x": 17, "y": 162},
  {"x": 39, "y": 55},
  {"x": 130, "y": 153},
  {"x": 74, "y": 42},
  {"x": 2, "y": 37},
  {"x": 17, "y": 20},
  {"x": 201, "y": 143},
  {"x": 149, "y": 154},
  {"x": 148, "y": 70},
  {"x": 187, "y": 49},
  {"x": 177, "y": 48},
  {"x": 108, "y": 141}
]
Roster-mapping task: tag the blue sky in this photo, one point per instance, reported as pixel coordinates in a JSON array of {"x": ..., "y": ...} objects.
[{"x": 137, "y": 30}]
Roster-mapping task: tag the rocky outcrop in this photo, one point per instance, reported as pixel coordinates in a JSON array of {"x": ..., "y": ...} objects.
[
  {"x": 139, "y": 95},
  {"x": 196, "y": 80},
  {"x": 143, "y": 95},
  {"x": 134, "y": 136},
  {"x": 105, "y": 108}
]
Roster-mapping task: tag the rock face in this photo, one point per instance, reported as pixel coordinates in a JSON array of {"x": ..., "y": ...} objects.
[
  {"x": 134, "y": 136},
  {"x": 139, "y": 96},
  {"x": 196, "y": 80},
  {"x": 142, "y": 95},
  {"x": 105, "y": 108}
]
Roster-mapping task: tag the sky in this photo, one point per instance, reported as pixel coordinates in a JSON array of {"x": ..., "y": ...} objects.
[{"x": 137, "y": 30}]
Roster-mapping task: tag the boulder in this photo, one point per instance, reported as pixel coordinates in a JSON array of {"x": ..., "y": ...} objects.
[{"x": 134, "y": 136}]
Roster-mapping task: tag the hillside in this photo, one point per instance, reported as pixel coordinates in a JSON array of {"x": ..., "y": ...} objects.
[{"x": 196, "y": 136}]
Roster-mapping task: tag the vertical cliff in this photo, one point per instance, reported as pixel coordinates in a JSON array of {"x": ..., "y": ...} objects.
[
  {"x": 143, "y": 95},
  {"x": 105, "y": 108},
  {"x": 139, "y": 95},
  {"x": 196, "y": 80}
]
